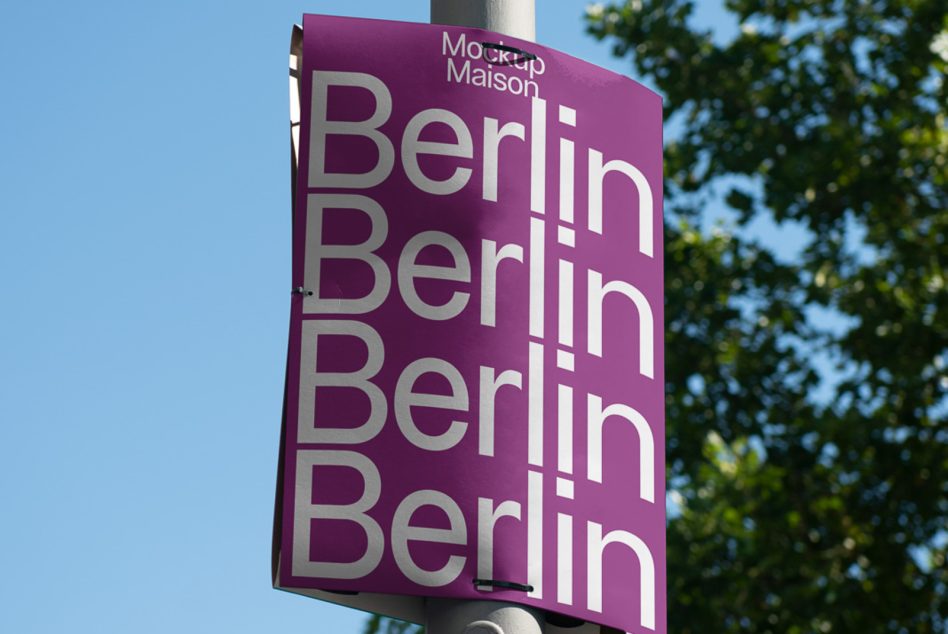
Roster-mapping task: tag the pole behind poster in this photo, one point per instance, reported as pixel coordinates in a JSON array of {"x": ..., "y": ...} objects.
[{"x": 516, "y": 18}]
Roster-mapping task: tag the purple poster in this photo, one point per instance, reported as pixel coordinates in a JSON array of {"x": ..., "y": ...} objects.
[{"x": 475, "y": 378}]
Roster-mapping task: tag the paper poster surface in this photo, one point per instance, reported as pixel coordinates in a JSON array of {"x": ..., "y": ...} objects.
[{"x": 475, "y": 375}]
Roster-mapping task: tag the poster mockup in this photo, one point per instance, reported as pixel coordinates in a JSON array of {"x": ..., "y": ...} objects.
[{"x": 475, "y": 389}]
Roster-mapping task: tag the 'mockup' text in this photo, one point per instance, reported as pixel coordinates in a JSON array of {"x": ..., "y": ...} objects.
[{"x": 467, "y": 63}]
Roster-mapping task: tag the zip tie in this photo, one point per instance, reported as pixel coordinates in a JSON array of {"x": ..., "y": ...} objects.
[
  {"x": 506, "y": 585},
  {"x": 524, "y": 55}
]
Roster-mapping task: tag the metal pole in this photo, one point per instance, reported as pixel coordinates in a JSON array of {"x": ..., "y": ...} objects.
[
  {"x": 452, "y": 616},
  {"x": 510, "y": 17},
  {"x": 448, "y": 616}
]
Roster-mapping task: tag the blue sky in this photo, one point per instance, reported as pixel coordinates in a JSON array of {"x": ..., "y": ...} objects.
[{"x": 144, "y": 288}]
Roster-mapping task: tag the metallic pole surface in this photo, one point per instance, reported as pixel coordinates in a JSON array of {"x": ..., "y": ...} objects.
[
  {"x": 453, "y": 616},
  {"x": 511, "y": 17},
  {"x": 449, "y": 616}
]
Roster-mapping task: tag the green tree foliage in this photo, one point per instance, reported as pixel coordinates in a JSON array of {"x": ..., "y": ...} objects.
[
  {"x": 381, "y": 625},
  {"x": 804, "y": 503},
  {"x": 807, "y": 442}
]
